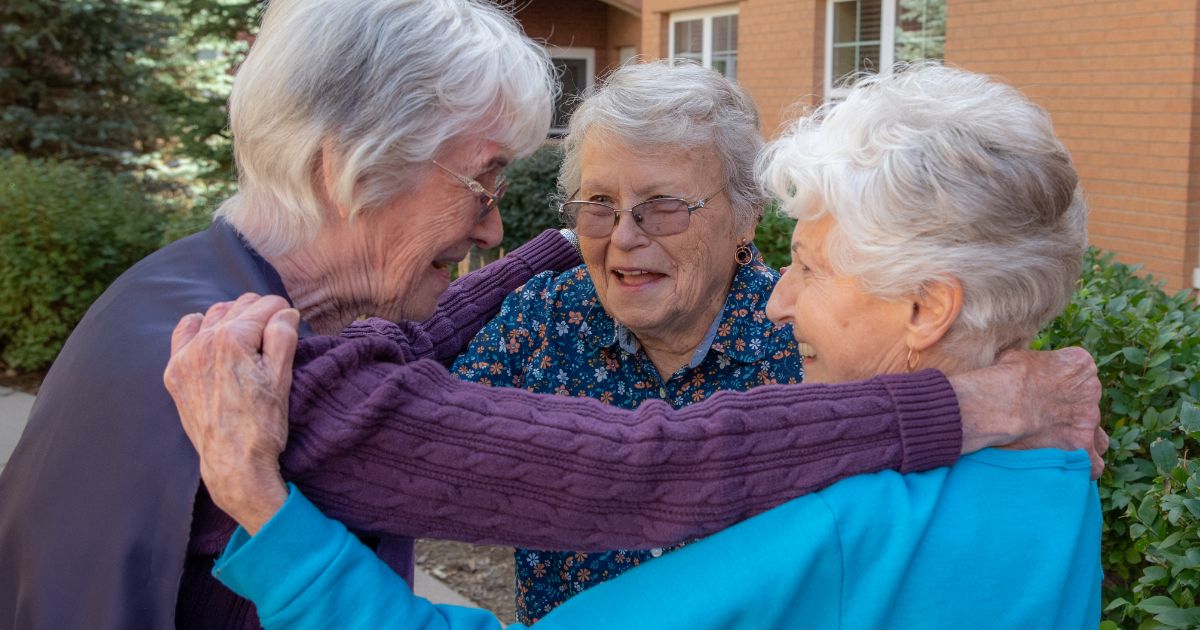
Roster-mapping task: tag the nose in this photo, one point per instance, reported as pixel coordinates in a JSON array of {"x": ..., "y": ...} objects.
[
  {"x": 489, "y": 232},
  {"x": 627, "y": 234},
  {"x": 779, "y": 305}
]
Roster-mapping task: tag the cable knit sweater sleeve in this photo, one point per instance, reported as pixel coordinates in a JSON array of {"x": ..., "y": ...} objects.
[
  {"x": 391, "y": 445},
  {"x": 470, "y": 302}
]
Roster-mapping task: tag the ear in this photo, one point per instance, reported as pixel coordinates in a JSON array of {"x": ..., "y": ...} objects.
[
  {"x": 934, "y": 311},
  {"x": 325, "y": 170},
  {"x": 748, "y": 232}
]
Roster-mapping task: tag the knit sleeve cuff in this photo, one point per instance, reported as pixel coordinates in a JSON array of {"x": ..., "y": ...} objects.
[
  {"x": 929, "y": 419},
  {"x": 549, "y": 251},
  {"x": 287, "y": 545}
]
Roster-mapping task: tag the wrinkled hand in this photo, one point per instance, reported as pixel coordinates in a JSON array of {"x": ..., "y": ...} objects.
[
  {"x": 232, "y": 399},
  {"x": 1034, "y": 400}
]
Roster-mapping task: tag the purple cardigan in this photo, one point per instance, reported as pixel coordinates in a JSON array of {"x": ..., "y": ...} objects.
[{"x": 385, "y": 440}]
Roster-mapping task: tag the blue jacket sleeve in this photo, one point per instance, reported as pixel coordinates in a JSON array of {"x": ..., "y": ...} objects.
[
  {"x": 780, "y": 569},
  {"x": 304, "y": 570}
]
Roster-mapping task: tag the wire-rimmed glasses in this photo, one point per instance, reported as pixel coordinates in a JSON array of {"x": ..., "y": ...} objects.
[
  {"x": 488, "y": 200},
  {"x": 660, "y": 216}
]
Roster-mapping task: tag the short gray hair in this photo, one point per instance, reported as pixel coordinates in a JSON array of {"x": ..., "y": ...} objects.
[
  {"x": 660, "y": 105},
  {"x": 381, "y": 84},
  {"x": 934, "y": 173}
]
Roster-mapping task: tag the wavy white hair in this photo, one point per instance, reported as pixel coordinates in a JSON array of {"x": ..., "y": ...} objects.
[
  {"x": 934, "y": 173},
  {"x": 381, "y": 85},
  {"x": 663, "y": 106}
]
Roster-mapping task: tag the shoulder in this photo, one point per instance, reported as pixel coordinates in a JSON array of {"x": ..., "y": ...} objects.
[{"x": 549, "y": 292}]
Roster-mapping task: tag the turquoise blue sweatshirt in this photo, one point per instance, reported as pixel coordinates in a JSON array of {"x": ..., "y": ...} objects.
[{"x": 1002, "y": 539}]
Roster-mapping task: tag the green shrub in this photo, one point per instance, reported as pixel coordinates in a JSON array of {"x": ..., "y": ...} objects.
[
  {"x": 1147, "y": 346},
  {"x": 529, "y": 207},
  {"x": 66, "y": 231},
  {"x": 774, "y": 236}
]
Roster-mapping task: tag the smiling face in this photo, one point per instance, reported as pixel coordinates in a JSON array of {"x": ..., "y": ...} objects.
[
  {"x": 399, "y": 256},
  {"x": 666, "y": 289},
  {"x": 845, "y": 333}
]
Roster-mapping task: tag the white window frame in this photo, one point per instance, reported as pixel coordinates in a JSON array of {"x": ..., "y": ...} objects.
[
  {"x": 887, "y": 44},
  {"x": 707, "y": 15},
  {"x": 588, "y": 55}
]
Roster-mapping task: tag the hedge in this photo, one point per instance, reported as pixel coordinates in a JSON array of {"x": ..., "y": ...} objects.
[
  {"x": 1147, "y": 347},
  {"x": 66, "y": 232}
]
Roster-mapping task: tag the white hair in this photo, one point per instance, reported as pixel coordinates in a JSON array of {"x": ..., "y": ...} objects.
[
  {"x": 933, "y": 173},
  {"x": 663, "y": 106},
  {"x": 376, "y": 86}
]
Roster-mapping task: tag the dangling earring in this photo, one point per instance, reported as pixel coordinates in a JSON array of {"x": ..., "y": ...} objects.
[
  {"x": 914, "y": 357},
  {"x": 743, "y": 254}
]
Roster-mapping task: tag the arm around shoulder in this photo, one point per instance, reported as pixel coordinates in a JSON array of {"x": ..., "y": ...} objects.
[{"x": 405, "y": 449}]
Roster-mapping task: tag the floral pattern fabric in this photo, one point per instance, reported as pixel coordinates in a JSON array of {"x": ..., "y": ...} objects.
[{"x": 553, "y": 336}]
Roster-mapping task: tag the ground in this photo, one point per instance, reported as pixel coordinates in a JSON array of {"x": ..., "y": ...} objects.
[
  {"x": 482, "y": 574},
  {"x": 21, "y": 382}
]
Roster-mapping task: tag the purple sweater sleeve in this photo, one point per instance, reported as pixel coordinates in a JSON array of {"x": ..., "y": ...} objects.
[
  {"x": 470, "y": 302},
  {"x": 394, "y": 446}
]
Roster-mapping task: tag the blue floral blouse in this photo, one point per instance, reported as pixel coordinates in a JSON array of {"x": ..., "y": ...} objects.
[{"x": 553, "y": 336}]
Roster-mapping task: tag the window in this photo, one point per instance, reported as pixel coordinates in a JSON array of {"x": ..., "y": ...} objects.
[
  {"x": 575, "y": 68},
  {"x": 858, "y": 41},
  {"x": 708, "y": 37}
]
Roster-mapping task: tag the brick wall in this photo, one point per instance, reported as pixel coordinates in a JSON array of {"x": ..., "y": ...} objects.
[
  {"x": 1119, "y": 80},
  {"x": 624, "y": 29},
  {"x": 568, "y": 24},
  {"x": 780, "y": 62},
  {"x": 780, "y": 57}
]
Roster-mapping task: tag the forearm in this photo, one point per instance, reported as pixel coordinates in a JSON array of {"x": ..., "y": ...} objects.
[
  {"x": 306, "y": 571},
  {"x": 471, "y": 301},
  {"x": 409, "y": 450}
]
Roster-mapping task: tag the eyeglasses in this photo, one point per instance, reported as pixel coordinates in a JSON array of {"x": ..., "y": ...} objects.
[
  {"x": 488, "y": 200},
  {"x": 661, "y": 216}
]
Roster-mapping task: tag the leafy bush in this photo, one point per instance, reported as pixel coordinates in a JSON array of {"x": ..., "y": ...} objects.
[
  {"x": 529, "y": 207},
  {"x": 1147, "y": 346},
  {"x": 774, "y": 236},
  {"x": 66, "y": 231}
]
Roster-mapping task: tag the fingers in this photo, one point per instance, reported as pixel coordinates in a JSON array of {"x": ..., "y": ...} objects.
[
  {"x": 225, "y": 311},
  {"x": 1097, "y": 465},
  {"x": 279, "y": 345},
  {"x": 185, "y": 331},
  {"x": 258, "y": 312}
]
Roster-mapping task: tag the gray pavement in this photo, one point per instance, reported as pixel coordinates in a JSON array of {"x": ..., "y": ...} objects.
[{"x": 14, "y": 411}]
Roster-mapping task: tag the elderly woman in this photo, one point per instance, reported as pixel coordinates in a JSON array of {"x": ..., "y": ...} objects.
[
  {"x": 940, "y": 222},
  {"x": 370, "y": 137},
  {"x": 670, "y": 303},
  {"x": 995, "y": 178}
]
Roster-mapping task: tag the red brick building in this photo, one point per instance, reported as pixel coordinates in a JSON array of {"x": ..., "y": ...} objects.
[{"x": 1120, "y": 79}]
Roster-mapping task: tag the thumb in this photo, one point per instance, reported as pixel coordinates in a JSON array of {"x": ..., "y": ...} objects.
[{"x": 279, "y": 346}]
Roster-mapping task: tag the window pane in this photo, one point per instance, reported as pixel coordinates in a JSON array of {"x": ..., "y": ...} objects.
[
  {"x": 689, "y": 38},
  {"x": 572, "y": 76},
  {"x": 726, "y": 64},
  {"x": 856, "y": 27},
  {"x": 920, "y": 29},
  {"x": 870, "y": 14},
  {"x": 844, "y": 60},
  {"x": 724, "y": 30},
  {"x": 868, "y": 58},
  {"x": 845, "y": 22}
]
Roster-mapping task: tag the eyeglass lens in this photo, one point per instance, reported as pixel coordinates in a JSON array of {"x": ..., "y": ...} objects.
[{"x": 656, "y": 217}]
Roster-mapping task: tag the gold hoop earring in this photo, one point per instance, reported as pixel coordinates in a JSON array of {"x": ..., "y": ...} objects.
[
  {"x": 914, "y": 357},
  {"x": 743, "y": 254}
]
